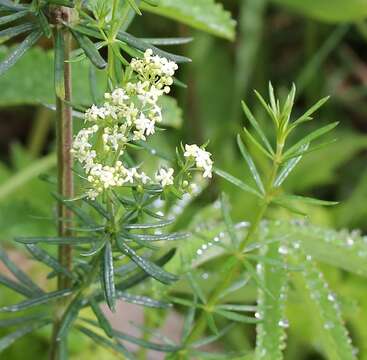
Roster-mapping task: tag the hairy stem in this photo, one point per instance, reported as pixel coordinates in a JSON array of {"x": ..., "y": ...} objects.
[{"x": 64, "y": 133}]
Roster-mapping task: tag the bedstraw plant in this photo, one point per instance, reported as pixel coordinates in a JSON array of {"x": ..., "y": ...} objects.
[{"x": 117, "y": 234}]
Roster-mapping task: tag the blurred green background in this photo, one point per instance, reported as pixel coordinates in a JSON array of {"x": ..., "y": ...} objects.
[{"x": 320, "y": 45}]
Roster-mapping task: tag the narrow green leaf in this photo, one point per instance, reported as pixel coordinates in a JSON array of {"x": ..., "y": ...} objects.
[
  {"x": 289, "y": 166},
  {"x": 235, "y": 286},
  {"x": 149, "y": 267},
  {"x": 98, "y": 207},
  {"x": 12, "y": 17},
  {"x": 237, "y": 182},
  {"x": 211, "y": 323},
  {"x": 257, "y": 127},
  {"x": 213, "y": 338},
  {"x": 156, "y": 225},
  {"x": 310, "y": 137},
  {"x": 237, "y": 307},
  {"x": 68, "y": 318},
  {"x": 142, "y": 300},
  {"x": 57, "y": 240},
  {"x": 287, "y": 205},
  {"x": 108, "y": 277},
  {"x": 134, "y": 6},
  {"x": 236, "y": 317},
  {"x": 19, "y": 273},
  {"x": 251, "y": 164},
  {"x": 228, "y": 220},
  {"x": 168, "y": 41},
  {"x": 271, "y": 309},
  {"x": 45, "y": 26},
  {"x": 16, "y": 286},
  {"x": 257, "y": 144},
  {"x": 307, "y": 200},
  {"x": 108, "y": 344},
  {"x": 21, "y": 320},
  {"x": 59, "y": 64},
  {"x": 36, "y": 301},
  {"x": 9, "y": 339},
  {"x": 189, "y": 320},
  {"x": 12, "y": 6},
  {"x": 339, "y": 342},
  {"x": 67, "y": 3},
  {"x": 196, "y": 287},
  {"x": 16, "y": 30},
  {"x": 102, "y": 320},
  {"x": 160, "y": 237},
  {"x": 42, "y": 256},
  {"x": 19, "y": 51},
  {"x": 89, "y": 48}
]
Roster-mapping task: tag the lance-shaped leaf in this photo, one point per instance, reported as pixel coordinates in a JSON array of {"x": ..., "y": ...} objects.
[
  {"x": 12, "y": 6},
  {"x": 308, "y": 138},
  {"x": 12, "y": 17},
  {"x": 9, "y": 283},
  {"x": 69, "y": 317},
  {"x": 90, "y": 49},
  {"x": 142, "y": 300},
  {"x": 19, "y": 51},
  {"x": 228, "y": 220},
  {"x": 36, "y": 301},
  {"x": 56, "y": 240},
  {"x": 149, "y": 267},
  {"x": 67, "y": 3},
  {"x": 168, "y": 41},
  {"x": 43, "y": 256},
  {"x": 59, "y": 59},
  {"x": 108, "y": 277},
  {"x": 102, "y": 320},
  {"x": 80, "y": 213},
  {"x": 231, "y": 315},
  {"x": 237, "y": 182},
  {"x": 13, "y": 31},
  {"x": 206, "y": 15},
  {"x": 338, "y": 343},
  {"x": 7, "y": 340},
  {"x": 21, "y": 320},
  {"x": 251, "y": 164},
  {"x": 108, "y": 344},
  {"x": 157, "y": 237},
  {"x": 45, "y": 26},
  {"x": 210, "y": 339},
  {"x": 134, "y": 6},
  {"x": 19, "y": 274},
  {"x": 305, "y": 199},
  {"x": 271, "y": 309},
  {"x": 289, "y": 166},
  {"x": 98, "y": 207},
  {"x": 156, "y": 225},
  {"x": 257, "y": 127}
]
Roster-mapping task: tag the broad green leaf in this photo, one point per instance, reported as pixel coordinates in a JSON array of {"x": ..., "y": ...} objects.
[
  {"x": 19, "y": 273},
  {"x": 237, "y": 182},
  {"x": 149, "y": 267},
  {"x": 339, "y": 346},
  {"x": 36, "y": 301},
  {"x": 102, "y": 320},
  {"x": 206, "y": 15},
  {"x": 337, "y": 11},
  {"x": 19, "y": 51},
  {"x": 271, "y": 309},
  {"x": 9, "y": 339},
  {"x": 42, "y": 256},
  {"x": 108, "y": 277},
  {"x": 251, "y": 164}
]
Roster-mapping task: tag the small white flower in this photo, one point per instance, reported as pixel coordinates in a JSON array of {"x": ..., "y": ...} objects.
[
  {"x": 202, "y": 159},
  {"x": 165, "y": 177}
]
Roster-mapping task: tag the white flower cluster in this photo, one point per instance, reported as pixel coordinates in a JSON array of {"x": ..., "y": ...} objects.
[
  {"x": 202, "y": 159},
  {"x": 128, "y": 114}
]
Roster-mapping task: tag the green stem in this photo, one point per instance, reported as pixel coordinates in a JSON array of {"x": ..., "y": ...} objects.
[{"x": 64, "y": 135}]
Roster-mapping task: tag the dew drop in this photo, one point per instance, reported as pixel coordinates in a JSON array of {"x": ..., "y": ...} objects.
[
  {"x": 296, "y": 244},
  {"x": 204, "y": 246},
  {"x": 216, "y": 239},
  {"x": 331, "y": 297},
  {"x": 153, "y": 151},
  {"x": 258, "y": 315},
  {"x": 210, "y": 243},
  {"x": 205, "y": 276},
  {"x": 199, "y": 252},
  {"x": 328, "y": 325},
  {"x": 350, "y": 241},
  {"x": 284, "y": 323},
  {"x": 283, "y": 250},
  {"x": 308, "y": 257}
]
